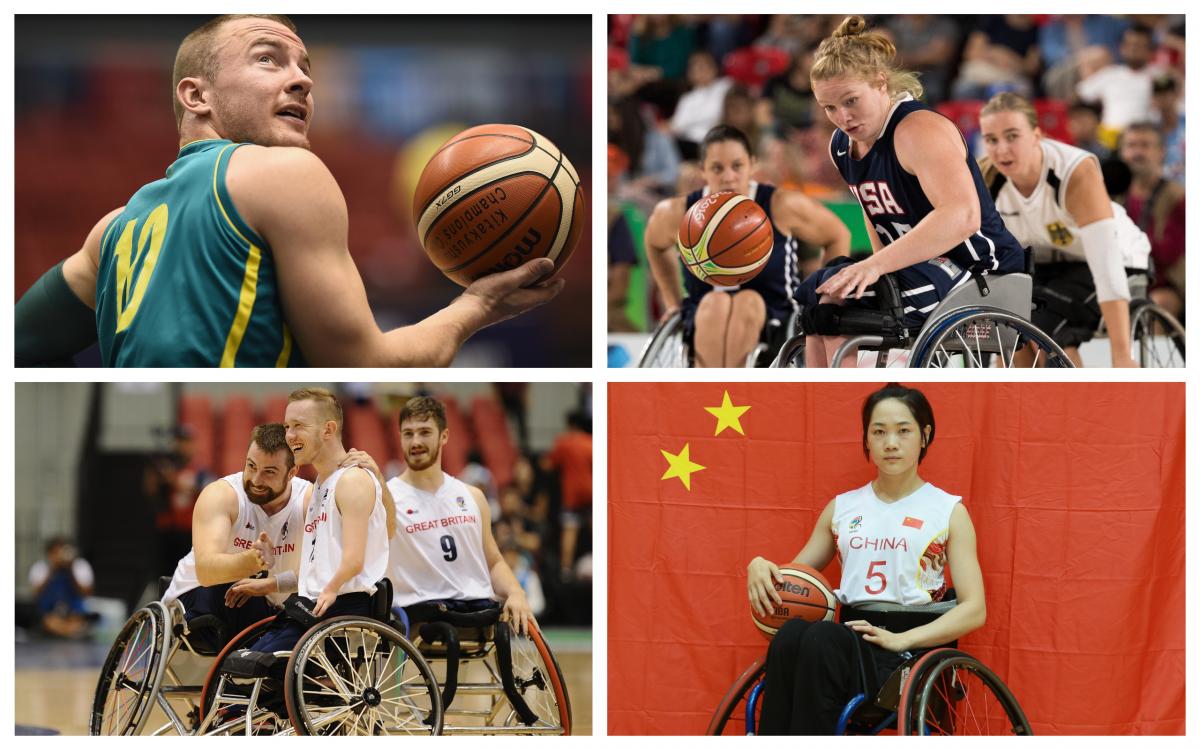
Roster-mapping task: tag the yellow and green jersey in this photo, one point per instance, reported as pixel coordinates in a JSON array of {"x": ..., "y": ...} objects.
[{"x": 183, "y": 281}]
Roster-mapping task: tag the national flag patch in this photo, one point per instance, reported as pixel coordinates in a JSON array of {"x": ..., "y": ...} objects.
[{"x": 914, "y": 523}]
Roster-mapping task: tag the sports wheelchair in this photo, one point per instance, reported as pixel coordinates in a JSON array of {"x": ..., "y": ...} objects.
[
  {"x": 982, "y": 319},
  {"x": 1158, "y": 339},
  {"x": 346, "y": 675},
  {"x": 671, "y": 346},
  {"x": 940, "y": 691}
]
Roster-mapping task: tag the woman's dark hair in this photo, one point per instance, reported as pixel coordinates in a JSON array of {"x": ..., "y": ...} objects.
[{"x": 916, "y": 403}]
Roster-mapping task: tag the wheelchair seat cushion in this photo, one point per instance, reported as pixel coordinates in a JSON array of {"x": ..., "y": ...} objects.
[
  {"x": 921, "y": 287},
  {"x": 247, "y": 663}
]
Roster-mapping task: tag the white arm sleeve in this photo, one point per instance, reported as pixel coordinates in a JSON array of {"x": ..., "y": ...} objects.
[
  {"x": 1104, "y": 258},
  {"x": 286, "y": 581}
]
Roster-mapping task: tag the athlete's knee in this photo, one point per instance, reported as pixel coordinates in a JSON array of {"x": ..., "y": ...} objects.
[
  {"x": 823, "y": 636},
  {"x": 714, "y": 304},
  {"x": 749, "y": 304}
]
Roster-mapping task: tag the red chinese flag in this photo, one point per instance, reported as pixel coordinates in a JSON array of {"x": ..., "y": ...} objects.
[{"x": 913, "y": 523}]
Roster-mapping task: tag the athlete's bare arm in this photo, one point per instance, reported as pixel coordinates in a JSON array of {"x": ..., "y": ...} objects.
[
  {"x": 83, "y": 267},
  {"x": 292, "y": 200},
  {"x": 363, "y": 459},
  {"x": 761, "y": 574},
  {"x": 355, "y": 495},
  {"x": 662, "y": 231},
  {"x": 1087, "y": 201},
  {"x": 797, "y": 215},
  {"x": 213, "y": 518},
  {"x": 512, "y": 597}
]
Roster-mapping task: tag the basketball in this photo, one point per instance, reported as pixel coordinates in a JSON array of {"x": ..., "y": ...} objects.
[
  {"x": 494, "y": 197},
  {"x": 725, "y": 239},
  {"x": 806, "y": 595}
]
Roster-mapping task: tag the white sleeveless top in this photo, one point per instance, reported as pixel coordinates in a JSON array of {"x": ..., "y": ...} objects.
[
  {"x": 892, "y": 552},
  {"x": 282, "y": 528},
  {"x": 1041, "y": 221},
  {"x": 323, "y": 541},
  {"x": 437, "y": 552}
]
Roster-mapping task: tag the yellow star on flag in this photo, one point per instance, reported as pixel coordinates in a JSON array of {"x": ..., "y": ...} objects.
[
  {"x": 727, "y": 415},
  {"x": 681, "y": 466}
]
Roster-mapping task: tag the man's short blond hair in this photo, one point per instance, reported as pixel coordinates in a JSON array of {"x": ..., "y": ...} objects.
[
  {"x": 323, "y": 398},
  {"x": 197, "y": 55}
]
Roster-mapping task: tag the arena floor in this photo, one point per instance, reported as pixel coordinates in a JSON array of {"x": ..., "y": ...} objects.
[{"x": 56, "y": 680}]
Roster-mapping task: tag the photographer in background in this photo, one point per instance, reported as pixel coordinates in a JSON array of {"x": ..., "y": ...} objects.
[{"x": 60, "y": 582}]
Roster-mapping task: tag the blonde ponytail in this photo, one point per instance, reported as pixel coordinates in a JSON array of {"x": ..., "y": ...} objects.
[{"x": 852, "y": 51}]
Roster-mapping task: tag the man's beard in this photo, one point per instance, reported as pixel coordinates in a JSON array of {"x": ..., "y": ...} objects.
[
  {"x": 425, "y": 460},
  {"x": 241, "y": 126},
  {"x": 266, "y": 498}
]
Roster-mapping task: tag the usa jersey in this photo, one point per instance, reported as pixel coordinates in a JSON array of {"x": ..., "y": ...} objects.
[
  {"x": 437, "y": 552},
  {"x": 892, "y": 552},
  {"x": 1041, "y": 220},
  {"x": 776, "y": 282},
  {"x": 895, "y": 203},
  {"x": 322, "y": 552},
  {"x": 282, "y": 528}
]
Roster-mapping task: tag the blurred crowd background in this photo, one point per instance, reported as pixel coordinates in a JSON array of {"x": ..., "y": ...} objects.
[
  {"x": 109, "y": 473},
  {"x": 1090, "y": 77},
  {"x": 93, "y": 123}
]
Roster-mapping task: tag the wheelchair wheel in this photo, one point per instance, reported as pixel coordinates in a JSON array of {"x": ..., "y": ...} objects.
[
  {"x": 241, "y": 640},
  {"x": 666, "y": 347},
  {"x": 539, "y": 681},
  {"x": 951, "y": 692},
  {"x": 132, "y": 673},
  {"x": 1158, "y": 338},
  {"x": 973, "y": 336},
  {"x": 357, "y": 676},
  {"x": 734, "y": 698}
]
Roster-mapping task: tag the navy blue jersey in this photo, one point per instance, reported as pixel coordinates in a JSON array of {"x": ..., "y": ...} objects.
[
  {"x": 775, "y": 283},
  {"x": 895, "y": 202}
]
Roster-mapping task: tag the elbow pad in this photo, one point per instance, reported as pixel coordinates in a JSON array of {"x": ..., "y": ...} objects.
[
  {"x": 52, "y": 324},
  {"x": 1105, "y": 260}
]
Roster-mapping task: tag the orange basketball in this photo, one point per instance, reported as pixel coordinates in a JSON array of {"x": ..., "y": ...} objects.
[
  {"x": 725, "y": 239},
  {"x": 494, "y": 197},
  {"x": 806, "y": 595}
]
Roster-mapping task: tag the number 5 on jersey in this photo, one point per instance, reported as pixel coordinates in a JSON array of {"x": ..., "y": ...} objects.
[{"x": 874, "y": 572}]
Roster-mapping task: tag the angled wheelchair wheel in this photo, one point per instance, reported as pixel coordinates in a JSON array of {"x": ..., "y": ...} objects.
[
  {"x": 983, "y": 337},
  {"x": 132, "y": 673},
  {"x": 666, "y": 347},
  {"x": 357, "y": 676},
  {"x": 538, "y": 683},
  {"x": 791, "y": 354},
  {"x": 1158, "y": 338},
  {"x": 950, "y": 692},
  {"x": 241, "y": 640},
  {"x": 727, "y": 718}
]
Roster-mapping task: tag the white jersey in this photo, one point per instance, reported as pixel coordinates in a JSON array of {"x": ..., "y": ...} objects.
[
  {"x": 282, "y": 528},
  {"x": 437, "y": 552},
  {"x": 1042, "y": 222},
  {"x": 323, "y": 542},
  {"x": 892, "y": 552}
]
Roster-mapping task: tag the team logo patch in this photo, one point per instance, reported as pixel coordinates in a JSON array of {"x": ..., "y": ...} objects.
[
  {"x": 913, "y": 523},
  {"x": 250, "y": 526},
  {"x": 855, "y": 523},
  {"x": 462, "y": 504},
  {"x": 283, "y": 531},
  {"x": 410, "y": 511},
  {"x": 1059, "y": 234}
]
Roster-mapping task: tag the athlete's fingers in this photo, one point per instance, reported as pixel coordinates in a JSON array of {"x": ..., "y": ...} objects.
[{"x": 535, "y": 270}]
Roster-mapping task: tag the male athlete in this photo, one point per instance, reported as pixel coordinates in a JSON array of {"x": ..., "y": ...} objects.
[
  {"x": 243, "y": 524},
  {"x": 238, "y": 257},
  {"x": 345, "y": 548},
  {"x": 443, "y": 549},
  {"x": 726, "y": 323}
]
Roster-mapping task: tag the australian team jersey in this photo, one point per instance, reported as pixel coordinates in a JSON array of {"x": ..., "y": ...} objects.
[
  {"x": 184, "y": 281},
  {"x": 892, "y": 552},
  {"x": 776, "y": 282},
  {"x": 282, "y": 528},
  {"x": 893, "y": 200}
]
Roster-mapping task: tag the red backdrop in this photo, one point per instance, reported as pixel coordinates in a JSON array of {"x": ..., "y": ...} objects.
[{"x": 1076, "y": 492}]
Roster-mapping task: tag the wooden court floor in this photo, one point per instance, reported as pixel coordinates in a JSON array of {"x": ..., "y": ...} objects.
[{"x": 58, "y": 696}]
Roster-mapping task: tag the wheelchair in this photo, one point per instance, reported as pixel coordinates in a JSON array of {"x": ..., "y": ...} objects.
[
  {"x": 980, "y": 323},
  {"x": 939, "y": 691},
  {"x": 670, "y": 346},
  {"x": 346, "y": 675},
  {"x": 1157, "y": 337}
]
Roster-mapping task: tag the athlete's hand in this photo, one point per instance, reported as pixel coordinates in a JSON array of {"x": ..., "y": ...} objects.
[
  {"x": 326, "y": 598},
  {"x": 500, "y": 296},
  {"x": 1123, "y": 359},
  {"x": 266, "y": 551},
  {"x": 761, "y": 577},
  {"x": 240, "y": 592},
  {"x": 361, "y": 458},
  {"x": 885, "y": 639},
  {"x": 518, "y": 612},
  {"x": 853, "y": 279}
]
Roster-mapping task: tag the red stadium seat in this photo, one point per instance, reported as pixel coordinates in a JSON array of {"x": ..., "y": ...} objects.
[
  {"x": 365, "y": 431},
  {"x": 618, "y": 59},
  {"x": 236, "y": 426},
  {"x": 965, "y": 114},
  {"x": 454, "y": 455},
  {"x": 754, "y": 65},
  {"x": 196, "y": 414},
  {"x": 496, "y": 443},
  {"x": 1052, "y": 118},
  {"x": 274, "y": 408}
]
